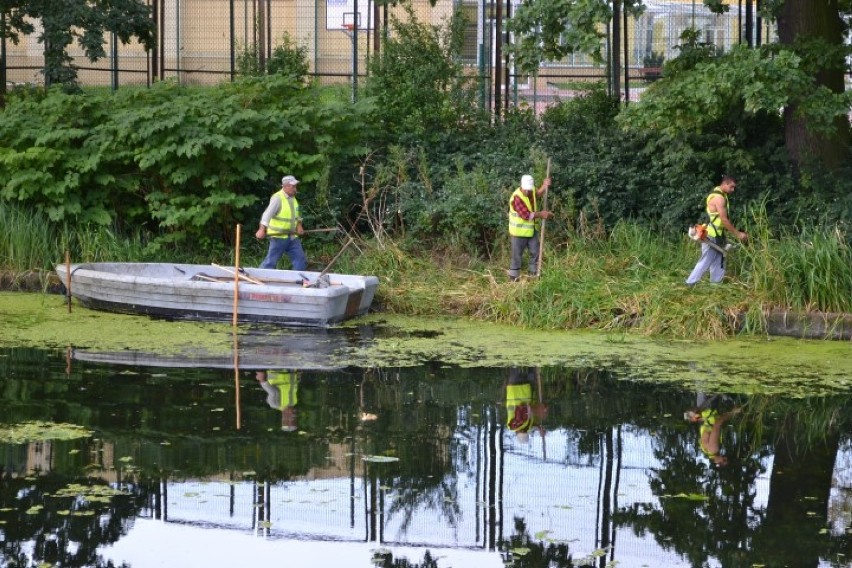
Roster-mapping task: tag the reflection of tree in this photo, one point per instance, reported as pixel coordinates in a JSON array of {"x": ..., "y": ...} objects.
[
  {"x": 42, "y": 528},
  {"x": 697, "y": 528},
  {"x": 520, "y": 551},
  {"x": 722, "y": 520},
  {"x": 419, "y": 431},
  {"x": 416, "y": 493},
  {"x": 806, "y": 443},
  {"x": 385, "y": 559}
]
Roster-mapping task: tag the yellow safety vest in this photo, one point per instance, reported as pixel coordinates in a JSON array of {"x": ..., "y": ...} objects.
[
  {"x": 284, "y": 223},
  {"x": 519, "y": 227},
  {"x": 715, "y": 228},
  {"x": 287, "y": 384},
  {"x": 708, "y": 417},
  {"x": 518, "y": 411}
]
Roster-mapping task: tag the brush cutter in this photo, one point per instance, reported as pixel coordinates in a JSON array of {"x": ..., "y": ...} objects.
[{"x": 698, "y": 233}]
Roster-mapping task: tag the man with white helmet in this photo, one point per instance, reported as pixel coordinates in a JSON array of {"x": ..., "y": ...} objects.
[{"x": 525, "y": 225}]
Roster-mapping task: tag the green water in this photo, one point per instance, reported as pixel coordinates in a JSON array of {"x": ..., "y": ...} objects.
[{"x": 440, "y": 453}]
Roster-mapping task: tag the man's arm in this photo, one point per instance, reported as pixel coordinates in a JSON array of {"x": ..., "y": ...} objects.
[
  {"x": 717, "y": 202},
  {"x": 270, "y": 212},
  {"x": 521, "y": 209}
]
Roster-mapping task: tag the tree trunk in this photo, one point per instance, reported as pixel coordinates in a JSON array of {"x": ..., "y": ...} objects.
[
  {"x": 614, "y": 61},
  {"x": 799, "y": 491},
  {"x": 802, "y": 19}
]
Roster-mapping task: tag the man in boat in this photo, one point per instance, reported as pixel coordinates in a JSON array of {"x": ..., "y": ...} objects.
[
  {"x": 525, "y": 225},
  {"x": 282, "y": 223},
  {"x": 712, "y": 260}
]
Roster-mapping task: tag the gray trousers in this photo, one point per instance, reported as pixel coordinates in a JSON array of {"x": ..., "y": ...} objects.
[
  {"x": 711, "y": 260},
  {"x": 519, "y": 245}
]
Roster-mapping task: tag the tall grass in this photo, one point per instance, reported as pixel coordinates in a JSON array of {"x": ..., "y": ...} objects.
[
  {"x": 629, "y": 278},
  {"x": 27, "y": 241},
  {"x": 809, "y": 271},
  {"x": 31, "y": 242},
  {"x": 632, "y": 278}
]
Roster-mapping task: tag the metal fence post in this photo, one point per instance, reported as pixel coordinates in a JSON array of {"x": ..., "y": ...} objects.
[
  {"x": 232, "y": 48},
  {"x": 3, "y": 59},
  {"x": 114, "y": 57}
]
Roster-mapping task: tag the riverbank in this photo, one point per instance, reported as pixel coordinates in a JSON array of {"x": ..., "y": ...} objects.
[
  {"x": 473, "y": 295},
  {"x": 382, "y": 340}
]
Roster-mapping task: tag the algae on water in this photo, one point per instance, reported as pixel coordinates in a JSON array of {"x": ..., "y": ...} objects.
[
  {"x": 787, "y": 366},
  {"x": 38, "y": 431}
]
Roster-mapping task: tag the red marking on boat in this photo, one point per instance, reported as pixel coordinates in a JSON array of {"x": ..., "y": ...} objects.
[{"x": 278, "y": 298}]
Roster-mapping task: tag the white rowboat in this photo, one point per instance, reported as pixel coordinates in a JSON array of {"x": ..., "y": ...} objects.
[{"x": 206, "y": 292}]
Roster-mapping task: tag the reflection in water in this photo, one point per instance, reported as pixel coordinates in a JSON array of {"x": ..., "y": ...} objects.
[
  {"x": 524, "y": 409},
  {"x": 282, "y": 390},
  {"x": 427, "y": 457},
  {"x": 711, "y": 417}
]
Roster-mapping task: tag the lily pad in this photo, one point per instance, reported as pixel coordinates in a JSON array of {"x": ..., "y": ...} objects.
[
  {"x": 688, "y": 496},
  {"x": 380, "y": 459},
  {"x": 38, "y": 431}
]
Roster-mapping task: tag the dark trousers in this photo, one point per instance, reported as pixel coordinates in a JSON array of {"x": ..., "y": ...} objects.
[{"x": 519, "y": 246}]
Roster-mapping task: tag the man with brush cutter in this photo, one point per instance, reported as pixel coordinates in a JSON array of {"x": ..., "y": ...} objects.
[{"x": 713, "y": 242}]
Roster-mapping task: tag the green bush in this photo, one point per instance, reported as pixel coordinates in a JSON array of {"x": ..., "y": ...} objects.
[
  {"x": 288, "y": 58},
  {"x": 184, "y": 163},
  {"x": 420, "y": 88}
]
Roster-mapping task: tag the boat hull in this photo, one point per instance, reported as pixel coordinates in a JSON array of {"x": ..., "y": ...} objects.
[{"x": 206, "y": 293}]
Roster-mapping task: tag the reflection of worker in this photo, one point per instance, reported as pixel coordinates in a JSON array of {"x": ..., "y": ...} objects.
[
  {"x": 368, "y": 398},
  {"x": 522, "y": 411},
  {"x": 711, "y": 420},
  {"x": 282, "y": 394}
]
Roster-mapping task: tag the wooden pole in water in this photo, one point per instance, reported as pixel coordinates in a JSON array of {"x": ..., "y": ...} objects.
[
  {"x": 543, "y": 221},
  {"x": 541, "y": 403},
  {"x": 236, "y": 276},
  {"x": 68, "y": 279},
  {"x": 237, "y": 377}
]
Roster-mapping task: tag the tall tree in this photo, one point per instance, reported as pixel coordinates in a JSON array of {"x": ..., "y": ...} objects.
[
  {"x": 802, "y": 73},
  {"x": 86, "y": 21},
  {"x": 816, "y": 32},
  {"x": 552, "y": 29}
]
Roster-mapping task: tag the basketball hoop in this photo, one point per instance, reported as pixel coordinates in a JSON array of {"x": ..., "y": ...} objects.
[{"x": 348, "y": 27}]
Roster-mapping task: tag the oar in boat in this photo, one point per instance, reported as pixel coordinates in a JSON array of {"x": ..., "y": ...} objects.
[
  {"x": 316, "y": 283},
  {"x": 239, "y": 274}
]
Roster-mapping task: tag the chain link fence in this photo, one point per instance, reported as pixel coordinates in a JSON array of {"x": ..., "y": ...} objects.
[{"x": 203, "y": 42}]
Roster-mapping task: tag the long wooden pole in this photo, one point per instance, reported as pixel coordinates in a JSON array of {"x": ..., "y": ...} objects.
[
  {"x": 236, "y": 277},
  {"x": 237, "y": 273},
  {"x": 328, "y": 230},
  {"x": 237, "y": 378},
  {"x": 330, "y": 264},
  {"x": 541, "y": 403},
  {"x": 543, "y": 221}
]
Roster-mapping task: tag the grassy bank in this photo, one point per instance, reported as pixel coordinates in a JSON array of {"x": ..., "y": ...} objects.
[{"x": 629, "y": 279}]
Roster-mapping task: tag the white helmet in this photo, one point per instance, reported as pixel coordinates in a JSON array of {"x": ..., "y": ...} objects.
[{"x": 527, "y": 182}]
